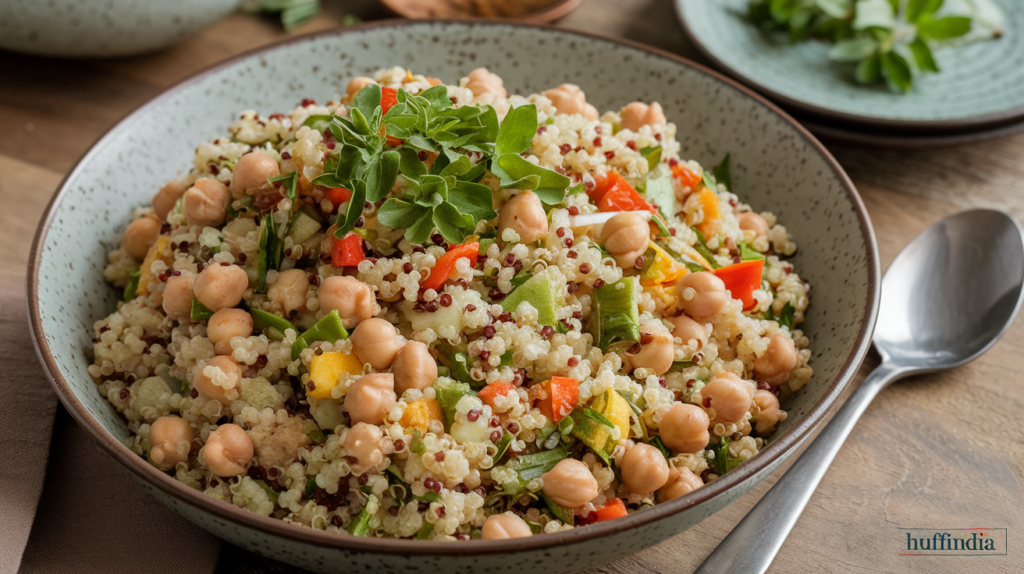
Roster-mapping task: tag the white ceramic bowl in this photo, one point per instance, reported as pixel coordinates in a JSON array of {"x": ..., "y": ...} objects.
[
  {"x": 95, "y": 28},
  {"x": 777, "y": 165}
]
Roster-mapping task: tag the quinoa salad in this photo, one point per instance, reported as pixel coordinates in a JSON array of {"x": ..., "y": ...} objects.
[{"x": 445, "y": 312}]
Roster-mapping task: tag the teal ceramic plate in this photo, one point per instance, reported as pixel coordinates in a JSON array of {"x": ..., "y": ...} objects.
[{"x": 981, "y": 85}]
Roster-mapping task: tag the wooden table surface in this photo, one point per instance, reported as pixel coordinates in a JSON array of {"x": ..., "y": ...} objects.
[{"x": 940, "y": 451}]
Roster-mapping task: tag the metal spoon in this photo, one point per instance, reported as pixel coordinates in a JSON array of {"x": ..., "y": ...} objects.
[{"x": 948, "y": 297}]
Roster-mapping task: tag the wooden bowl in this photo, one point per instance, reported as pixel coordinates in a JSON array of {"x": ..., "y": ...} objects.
[{"x": 530, "y": 11}]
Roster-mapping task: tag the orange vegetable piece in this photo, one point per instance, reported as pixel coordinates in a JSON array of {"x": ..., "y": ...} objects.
[
  {"x": 446, "y": 264},
  {"x": 742, "y": 279},
  {"x": 712, "y": 223},
  {"x": 420, "y": 412},
  {"x": 614, "y": 508},
  {"x": 686, "y": 176},
  {"x": 388, "y": 98},
  {"x": 614, "y": 193},
  {"x": 488, "y": 393},
  {"x": 559, "y": 397}
]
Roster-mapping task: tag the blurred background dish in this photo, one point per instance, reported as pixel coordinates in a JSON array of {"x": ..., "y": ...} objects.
[
  {"x": 533, "y": 11},
  {"x": 979, "y": 92},
  {"x": 91, "y": 28}
]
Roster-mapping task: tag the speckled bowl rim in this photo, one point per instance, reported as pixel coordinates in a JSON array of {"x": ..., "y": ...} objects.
[
  {"x": 548, "y": 14},
  {"x": 787, "y": 442},
  {"x": 992, "y": 120}
]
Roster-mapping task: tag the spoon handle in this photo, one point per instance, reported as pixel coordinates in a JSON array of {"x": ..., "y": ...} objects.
[{"x": 753, "y": 544}]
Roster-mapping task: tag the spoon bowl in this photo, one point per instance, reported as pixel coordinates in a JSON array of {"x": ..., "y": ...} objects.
[{"x": 947, "y": 296}]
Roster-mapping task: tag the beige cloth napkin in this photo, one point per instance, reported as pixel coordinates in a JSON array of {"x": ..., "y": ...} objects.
[{"x": 87, "y": 515}]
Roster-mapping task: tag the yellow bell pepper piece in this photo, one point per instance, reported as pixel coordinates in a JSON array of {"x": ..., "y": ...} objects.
[
  {"x": 325, "y": 372},
  {"x": 145, "y": 274},
  {"x": 420, "y": 412},
  {"x": 664, "y": 269},
  {"x": 616, "y": 409}
]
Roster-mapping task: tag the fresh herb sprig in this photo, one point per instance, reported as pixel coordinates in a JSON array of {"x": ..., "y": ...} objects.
[
  {"x": 887, "y": 40},
  {"x": 379, "y": 148}
]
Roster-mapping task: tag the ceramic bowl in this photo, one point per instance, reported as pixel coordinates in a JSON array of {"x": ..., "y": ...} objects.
[
  {"x": 89, "y": 29},
  {"x": 777, "y": 165}
]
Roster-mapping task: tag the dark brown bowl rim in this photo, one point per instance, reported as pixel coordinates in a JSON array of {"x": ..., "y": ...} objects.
[
  {"x": 995, "y": 119},
  {"x": 548, "y": 14},
  {"x": 787, "y": 442},
  {"x": 908, "y": 140}
]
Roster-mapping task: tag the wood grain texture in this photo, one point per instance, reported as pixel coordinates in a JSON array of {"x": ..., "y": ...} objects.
[{"x": 936, "y": 451}]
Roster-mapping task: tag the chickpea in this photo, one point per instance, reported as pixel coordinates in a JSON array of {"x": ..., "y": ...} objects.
[
  {"x": 218, "y": 380},
  {"x": 289, "y": 291},
  {"x": 371, "y": 398},
  {"x": 363, "y": 442},
  {"x": 170, "y": 440},
  {"x": 626, "y": 237},
  {"x": 644, "y": 469},
  {"x": 356, "y": 85},
  {"x": 139, "y": 236},
  {"x": 225, "y": 325},
  {"x": 769, "y": 414},
  {"x": 684, "y": 428},
  {"x": 414, "y": 368},
  {"x": 657, "y": 354},
  {"x": 178, "y": 295},
  {"x": 205, "y": 203},
  {"x": 702, "y": 294},
  {"x": 227, "y": 451},
  {"x": 221, "y": 286},
  {"x": 525, "y": 215},
  {"x": 570, "y": 483},
  {"x": 689, "y": 331},
  {"x": 638, "y": 114},
  {"x": 252, "y": 171},
  {"x": 507, "y": 525},
  {"x": 482, "y": 81},
  {"x": 729, "y": 396},
  {"x": 350, "y": 297},
  {"x": 375, "y": 341},
  {"x": 680, "y": 481},
  {"x": 169, "y": 194},
  {"x": 751, "y": 221},
  {"x": 570, "y": 99},
  {"x": 778, "y": 360}
]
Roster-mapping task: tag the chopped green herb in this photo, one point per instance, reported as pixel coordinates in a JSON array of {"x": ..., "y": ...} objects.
[
  {"x": 291, "y": 180},
  {"x": 271, "y": 493},
  {"x": 328, "y": 329},
  {"x": 502, "y": 446},
  {"x": 615, "y": 315},
  {"x": 562, "y": 513},
  {"x": 656, "y": 443},
  {"x": 199, "y": 311},
  {"x": 416, "y": 445},
  {"x": 271, "y": 325},
  {"x": 360, "y": 525},
  {"x": 457, "y": 364},
  {"x": 425, "y": 531},
  {"x": 316, "y": 435},
  {"x": 702, "y": 247},
  {"x": 723, "y": 462},
  {"x": 722, "y": 173},
  {"x": 531, "y": 466},
  {"x": 133, "y": 284},
  {"x": 270, "y": 251},
  {"x": 310, "y": 487},
  {"x": 785, "y": 318},
  {"x": 652, "y": 155},
  {"x": 448, "y": 393},
  {"x": 748, "y": 253}
]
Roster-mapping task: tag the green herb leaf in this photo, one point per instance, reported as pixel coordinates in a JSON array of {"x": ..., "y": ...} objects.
[
  {"x": 869, "y": 70},
  {"x": 652, "y": 155},
  {"x": 722, "y": 173},
  {"x": 502, "y": 446},
  {"x": 452, "y": 225},
  {"x": 516, "y": 172},
  {"x": 923, "y": 55},
  {"x": 400, "y": 214},
  {"x": 656, "y": 443},
  {"x": 291, "y": 179},
  {"x": 421, "y": 230},
  {"x": 381, "y": 178},
  {"x": 199, "y": 311},
  {"x": 785, "y": 318},
  {"x": 355, "y": 209},
  {"x": 917, "y": 10},
  {"x": 517, "y": 130},
  {"x": 472, "y": 199},
  {"x": 367, "y": 100},
  {"x": 874, "y": 14},
  {"x": 944, "y": 28},
  {"x": 853, "y": 49},
  {"x": 896, "y": 72}
]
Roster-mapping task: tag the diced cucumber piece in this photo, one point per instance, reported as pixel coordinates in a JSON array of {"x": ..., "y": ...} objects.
[
  {"x": 328, "y": 329},
  {"x": 616, "y": 317},
  {"x": 448, "y": 393},
  {"x": 538, "y": 292},
  {"x": 199, "y": 311},
  {"x": 303, "y": 227}
]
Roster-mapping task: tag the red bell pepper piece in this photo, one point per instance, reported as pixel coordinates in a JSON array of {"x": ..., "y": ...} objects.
[
  {"x": 492, "y": 390},
  {"x": 562, "y": 394},
  {"x": 347, "y": 251},
  {"x": 338, "y": 196},
  {"x": 613, "y": 193},
  {"x": 388, "y": 98},
  {"x": 614, "y": 508},
  {"x": 446, "y": 264},
  {"x": 686, "y": 176},
  {"x": 742, "y": 279}
]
